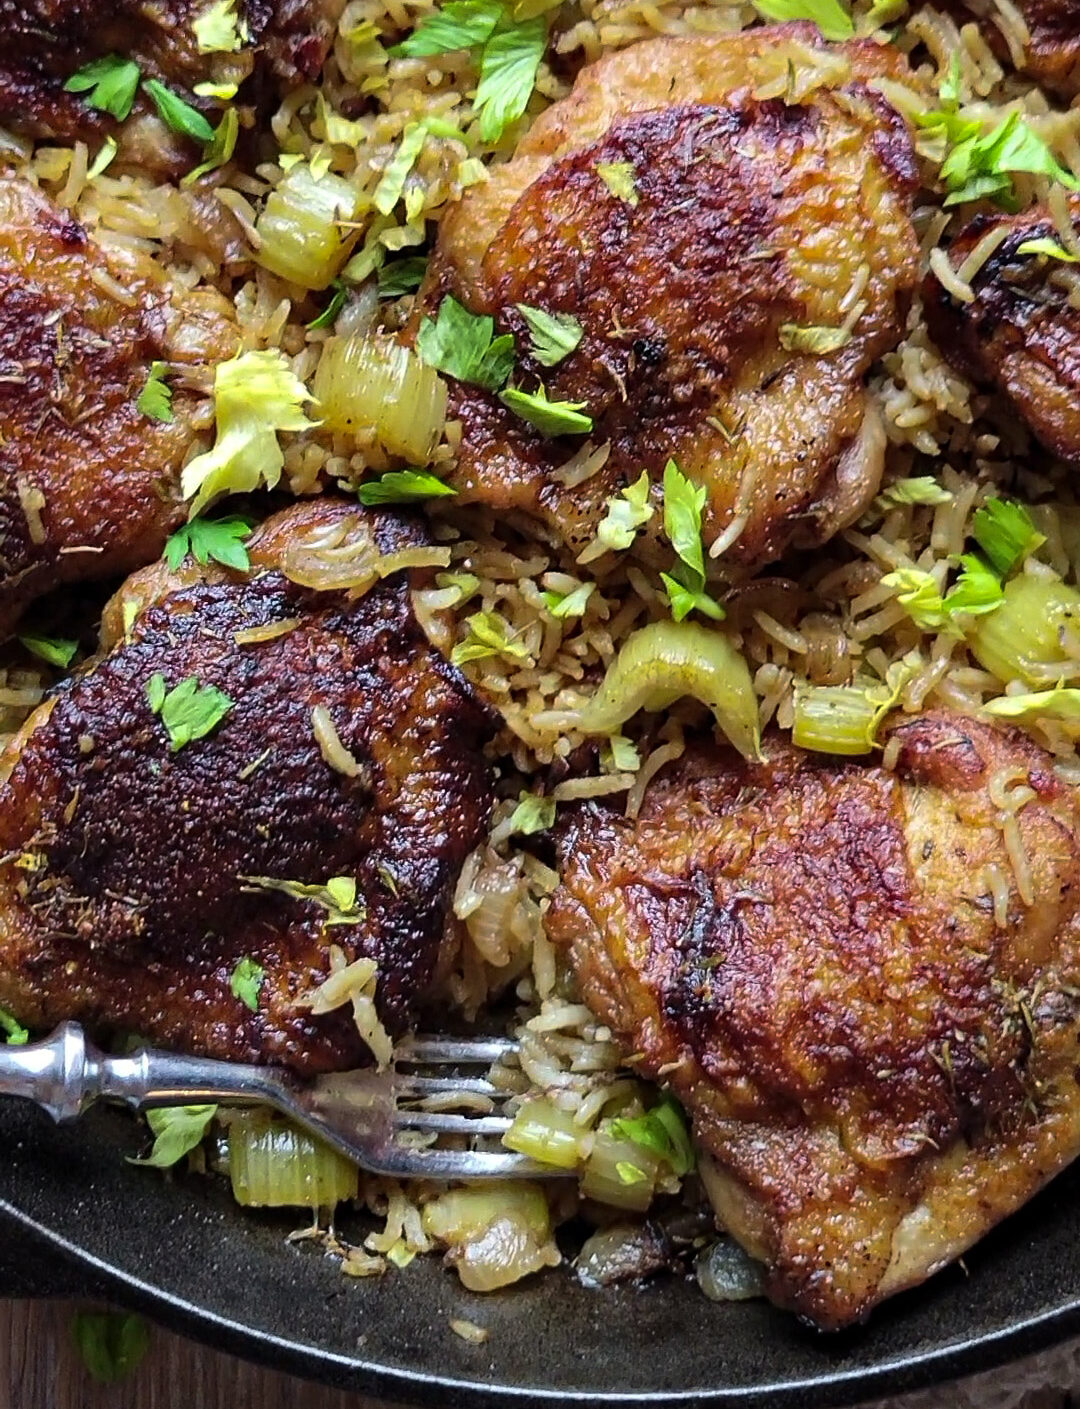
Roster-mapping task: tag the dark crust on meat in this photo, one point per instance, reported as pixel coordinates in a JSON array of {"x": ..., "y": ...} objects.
[
  {"x": 806, "y": 948},
  {"x": 1052, "y": 54},
  {"x": 46, "y": 41},
  {"x": 681, "y": 297},
  {"x": 133, "y": 914},
  {"x": 1020, "y": 336},
  {"x": 73, "y": 360}
]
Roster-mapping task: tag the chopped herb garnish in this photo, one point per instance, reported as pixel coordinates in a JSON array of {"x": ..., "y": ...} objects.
[
  {"x": 103, "y": 159},
  {"x": 392, "y": 182},
  {"x": 979, "y": 165},
  {"x": 532, "y": 814},
  {"x": 210, "y": 540},
  {"x": 464, "y": 346},
  {"x": 217, "y": 29},
  {"x": 620, "y": 754},
  {"x": 176, "y": 113},
  {"x": 15, "y": 1035},
  {"x": 619, "y": 178},
  {"x": 831, "y": 17},
  {"x": 489, "y": 635},
  {"x": 683, "y": 503},
  {"x": 109, "y": 82},
  {"x": 554, "y": 336},
  {"x": 462, "y": 24},
  {"x": 333, "y": 308},
  {"x": 662, "y": 1131},
  {"x": 569, "y": 604},
  {"x": 188, "y": 712},
  {"x": 549, "y": 417},
  {"x": 155, "y": 399},
  {"x": 112, "y": 1343},
  {"x": 402, "y": 276},
  {"x": 1050, "y": 248},
  {"x": 1004, "y": 530},
  {"x": 1063, "y": 702},
  {"x": 922, "y": 489},
  {"x": 245, "y": 982},
  {"x": 403, "y": 487},
  {"x": 219, "y": 149},
  {"x": 177, "y": 1131},
  {"x": 53, "y": 650},
  {"x": 508, "y": 67},
  {"x": 817, "y": 341},
  {"x": 627, "y": 512},
  {"x": 976, "y": 592},
  {"x": 337, "y": 896},
  {"x": 465, "y": 584}
]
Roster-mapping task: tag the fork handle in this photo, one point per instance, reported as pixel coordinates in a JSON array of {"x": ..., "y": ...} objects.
[{"x": 66, "y": 1073}]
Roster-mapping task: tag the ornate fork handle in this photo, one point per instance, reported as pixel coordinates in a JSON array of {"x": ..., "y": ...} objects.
[{"x": 65, "y": 1073}]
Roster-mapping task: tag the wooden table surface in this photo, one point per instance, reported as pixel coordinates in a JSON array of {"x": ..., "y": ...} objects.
[{"x": 40, "y": 1368}]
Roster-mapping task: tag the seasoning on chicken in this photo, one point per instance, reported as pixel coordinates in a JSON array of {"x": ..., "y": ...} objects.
[
  {"x": 728, "y": 219},
  {"x": 146, "y": 839},
  {"x": 863, "y": 984},
  {"x": 89, "y": 485},
  {"x": 47, "y": 41},
  {"x": 1021, "y": 334}
]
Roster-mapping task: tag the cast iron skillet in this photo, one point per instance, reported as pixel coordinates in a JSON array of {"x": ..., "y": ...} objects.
[{"x": 76, "y": 1219}]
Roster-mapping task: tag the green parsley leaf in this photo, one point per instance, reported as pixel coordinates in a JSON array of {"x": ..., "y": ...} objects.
[
  {"x": 190, "y": 711},
  {"x": 210, "y": 540},
  {"x": 463, "y": 345},
  {"x": 217, "y": 29},
  {"x": 176, "y": 113},
  {"x": 402, "y": 487},
  {"x": 1050, "y": 248},
  {"x": 111, "y": 83},
  {"x": 532, "y": 814},
  {"x": 103, "y": 159},
  {"x": 683, "y": 503},
  {"x": 219, "y": 149},
  {"x": 337, "y": 896},
  {"x": 920, "y": 596},
  {"x": 177, "y": 1131},
  {"x": 155, "y": 399},
  {"x": 620, "y": 755},
  {"x": 402, "y": 276},
  {"x": 1004, "y": 530},
  {"x": 978, "y": 165},
  {"x": 245, "y": 982},
  {"x": 15, "y": 1035},
  {"x": 627, "y": 511},
  {"x": 508, "y": 67},
  {"x": 549, "y": 417},
  {"x": 662, "y": 1131},
  {"x": 976, "y": 591},
  {"x": 619, "y": 178},
  {"x": 54, "y": 650},
  {"x": 489, "y": 635},
  {"x": 112, "y": 1343},
  {"x": 794, "y": 337},
  {"x": 1062, "y": 702},
  {"x": 392, "y": 182},
  {"x": 922, "y": 489},
  {"x": 684, "y": 598},
  {"x": 554, "y": 336},
  {"x": 569, "y": 604},
  {"x": 465, "y": 584},
  {"x": 458, "y": 25},
  {"x": 333, "y": 308},
  {"x": 830, "y": 16}
]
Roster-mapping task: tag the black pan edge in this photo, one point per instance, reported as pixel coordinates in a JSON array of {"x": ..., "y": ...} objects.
[{"x": 980, "y": 1353}]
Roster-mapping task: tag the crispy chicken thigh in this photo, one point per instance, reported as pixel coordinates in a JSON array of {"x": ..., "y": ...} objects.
[
  {"x": 89, "y": 486},
  {"x": 752, "y": 207},
  {"x": 123, "y": 898},
  {"x": 46, "y": 41},
  {"x": 1021, "y": 335},
  {"x": 873, "y": 1023},
  {"x": 1051, "y": 55}
]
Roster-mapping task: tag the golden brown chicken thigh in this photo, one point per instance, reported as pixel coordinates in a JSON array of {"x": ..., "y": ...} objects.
[
  {"x": 872, "y": 1021},
  {"x": 1051, "y": 53},
  {"x": 1021, "y": 335},
  {"x": 89, "y": 485},
  {"x": 753, "y": 205},
  {"x": 135, "y": 874},
  {"x": 46, "y": 41}
]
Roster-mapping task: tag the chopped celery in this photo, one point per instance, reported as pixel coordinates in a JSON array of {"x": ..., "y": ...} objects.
[
  {"x": 1024, "y": 639},
  {"x": 300, "y": 228},
  {"x": 374, "y": 384},
  {"x": 545, "y": 1133},
  {"x": 274, "y": 1165},
  {"x": 620, "y": 1172},
  {"x": 834, "y": 719}
]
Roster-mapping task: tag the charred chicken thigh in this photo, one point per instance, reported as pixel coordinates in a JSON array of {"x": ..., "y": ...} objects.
[
  {"x": 89, "y": 485},
  {"x": 138, "y": 870},
  {"x": 863, "y": 984},
  {"x": 737, "y": 248}
]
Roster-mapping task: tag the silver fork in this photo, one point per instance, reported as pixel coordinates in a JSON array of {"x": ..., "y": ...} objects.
[{"x": 359, "y": 1113}]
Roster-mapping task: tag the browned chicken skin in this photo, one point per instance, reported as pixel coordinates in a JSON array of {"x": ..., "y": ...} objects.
[
  {"x": 121, "y": 902},
  {"x": 46, "y": 41},
  {"x": 1051, "y": 55},
  {"x": 89, "y": 486},
  {"x": 749, "y": 212},
  {"x": 806, "y": 949},
  {"x": 1021, "y": 335}
]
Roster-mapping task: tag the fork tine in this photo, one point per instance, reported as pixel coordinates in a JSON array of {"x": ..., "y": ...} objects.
[
  {"x": 410, "y": 1085},
  {"x": 452, "y": 1124},
  {"x": 415, "y": 1051}
]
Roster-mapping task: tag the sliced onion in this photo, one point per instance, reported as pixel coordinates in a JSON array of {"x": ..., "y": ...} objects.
[
  {"x": 371, "y": 383},
  {"x": 496, "y": 1233}
]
